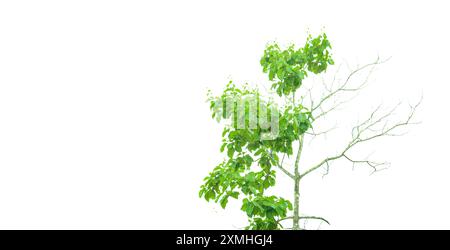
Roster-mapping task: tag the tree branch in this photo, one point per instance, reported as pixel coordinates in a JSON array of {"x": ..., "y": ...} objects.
[
  {"x": 280, "y": 166},
  {"x": 314, "y": 218},
  {"x": 305, "y": 218},
  {"x": 367, "y": 131},
  {"x": 286, "y": 172},
  {"x": 343, "y": 87}
]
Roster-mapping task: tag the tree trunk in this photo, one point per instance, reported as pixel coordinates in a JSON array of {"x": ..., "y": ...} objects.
[{"x": 296, "y": 217}]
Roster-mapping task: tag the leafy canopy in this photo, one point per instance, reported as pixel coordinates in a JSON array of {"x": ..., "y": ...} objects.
[
  {"x": 251, "y": 155},
  {"x": 287, "y": 68}
]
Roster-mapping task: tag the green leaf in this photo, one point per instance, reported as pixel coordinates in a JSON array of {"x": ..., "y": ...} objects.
[
  {"x": 230, "y": 151},
  {"x": 234, "y": 194},
  {"x": 210, "y": 195},
  {"x": 289, "y": 205},
  {"x": 249, "y": 209},
  {"x": 224, "y": 201},
  {"x": 248, "y": 159}
]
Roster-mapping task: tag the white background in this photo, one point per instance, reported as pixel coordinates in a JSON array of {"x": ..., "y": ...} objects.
[{"x": 104, "y": 124}]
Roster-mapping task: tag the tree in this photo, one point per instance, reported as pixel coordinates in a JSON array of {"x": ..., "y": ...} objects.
[{"x": 261, "y": 131}]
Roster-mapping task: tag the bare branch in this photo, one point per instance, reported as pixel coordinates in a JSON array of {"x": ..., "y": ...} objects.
[
  {"x": 343, "y": 87},
  {"x": 367, "y": 131},
  {"x": 314, "y": 218},
  {"x": 315, "y": 134},
  {"x": 374, "y": 165},
  {"x": 280, "y": 166},
  {"x": 285, "y": 218},
  {"x": 327, "y": 170},
  {"x": 305, "y": 218},
  {"x": 286, "y": 172}
]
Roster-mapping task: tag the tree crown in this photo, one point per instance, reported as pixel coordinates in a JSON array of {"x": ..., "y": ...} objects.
[{"x": 250, "y": 154}]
